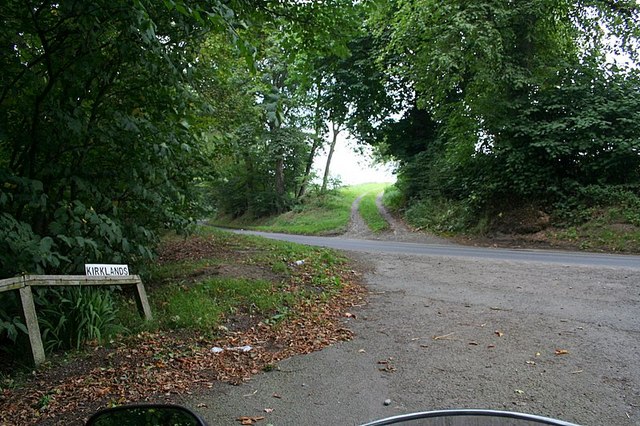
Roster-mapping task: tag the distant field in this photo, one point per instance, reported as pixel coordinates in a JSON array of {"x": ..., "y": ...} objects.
[{"x": 323, "y": 215}]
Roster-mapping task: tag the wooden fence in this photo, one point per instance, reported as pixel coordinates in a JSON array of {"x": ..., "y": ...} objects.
[{"x": 25, "y": 282}]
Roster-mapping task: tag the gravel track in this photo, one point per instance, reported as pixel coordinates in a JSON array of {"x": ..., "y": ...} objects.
[{"x": 398, "y": 230}]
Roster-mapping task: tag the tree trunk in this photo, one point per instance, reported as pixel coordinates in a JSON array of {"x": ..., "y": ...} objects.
[
  {"x": 335, "y": 130},
  {"x": 280, "y": 180},
  {"x": 317, "y": 141},
  {"x": 250, "y": 187}
]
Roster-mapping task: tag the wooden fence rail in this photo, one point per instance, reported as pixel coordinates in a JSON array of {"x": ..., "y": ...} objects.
[{"x": 25, "y": 282}]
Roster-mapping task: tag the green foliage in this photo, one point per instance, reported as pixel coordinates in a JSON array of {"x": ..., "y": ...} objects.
[
  {"x": 393, "y": 199},
  {"x": 440, "y": 215},
  {"x": 11, "y": 327},
  {"x": 617, "y": 204},
  {"x": 11, "y": 322},
  {"x": 247, "y": 183},
  {"x": 92, "y": 162},
  {"x": 119, "y": 121},
  {"x": 69, "y": 317},
  {"x": 14, "y": 340},
  {"x": 512, "y": 104},
  {"x": 579, "y": 132}
]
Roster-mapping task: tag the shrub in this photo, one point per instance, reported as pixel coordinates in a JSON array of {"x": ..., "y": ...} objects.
[
  {"x": 621, "y": 202},
  {"x": 72, "y": 316},
  {"x": 440, "y": 215}
]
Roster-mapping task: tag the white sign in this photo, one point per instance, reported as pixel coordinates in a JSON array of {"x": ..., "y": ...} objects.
[{"x": 98, "y": 270}]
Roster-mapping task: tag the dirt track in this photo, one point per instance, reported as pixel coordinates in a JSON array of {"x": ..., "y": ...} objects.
[{"x": 439, "y": 332}]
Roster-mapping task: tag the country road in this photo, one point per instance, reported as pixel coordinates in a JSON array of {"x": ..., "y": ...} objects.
[
  {"x": 400, "y": 247},
  {"x": 550, "y": 333}
]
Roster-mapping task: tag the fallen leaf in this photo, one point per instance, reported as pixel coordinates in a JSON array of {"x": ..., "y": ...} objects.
[
  {"x": 362, "y": 351},
  {"x": 561, "y": 352},
  {"x": 275, "y": 395},
  {"x": 246, "y": 420},
  {"x": 531, "y": 362},
  {"x": 473, "y": 343},
  {"x": 491, "y": 346},
  {"x": 445, "y": 336},
  {"x": 350, "y": 315},
  {"x": 519, "y": 392},
  {"x": 268, "y": 410},
  {"x": 499, "y": 333}
]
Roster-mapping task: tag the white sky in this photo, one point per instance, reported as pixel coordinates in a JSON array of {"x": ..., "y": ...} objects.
[{"x": 352, "y": 168}]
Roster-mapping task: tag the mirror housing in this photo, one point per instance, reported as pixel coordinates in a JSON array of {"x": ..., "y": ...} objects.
[{"x": 147, "y": 415}]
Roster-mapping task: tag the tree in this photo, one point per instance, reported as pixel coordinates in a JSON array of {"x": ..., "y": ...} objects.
[
  {"x": 352, "y": 95},
  {"x": 288, "y": 87},
  {"x": 500, "y": 82},
  {"x": 96, "y": 148}
]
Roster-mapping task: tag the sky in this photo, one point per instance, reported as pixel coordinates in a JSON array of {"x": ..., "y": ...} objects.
[{"x": 351, "y": 167}]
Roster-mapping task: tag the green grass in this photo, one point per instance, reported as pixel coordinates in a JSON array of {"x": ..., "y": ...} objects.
[
  {"x": 205, "y": 305},
  {"x": 178, "y": 302},
  {"x": 319, "y": 215},
  {"x": 370, "y": 213}
]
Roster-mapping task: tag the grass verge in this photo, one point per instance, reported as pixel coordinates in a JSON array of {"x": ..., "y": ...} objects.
[
  {"x": 196, "y": 287},
  {"x": 210, "y": 290}
]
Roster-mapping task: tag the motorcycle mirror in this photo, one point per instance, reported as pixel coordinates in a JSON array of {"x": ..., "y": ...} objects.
[
  {"x": 146, "y": 414},
  {"x": 469, "y": 418}
]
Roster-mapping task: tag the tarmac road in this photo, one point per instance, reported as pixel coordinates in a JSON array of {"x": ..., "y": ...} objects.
[
  {"x": 555, "y": 334},
  {"x": 451, "y": 250}
]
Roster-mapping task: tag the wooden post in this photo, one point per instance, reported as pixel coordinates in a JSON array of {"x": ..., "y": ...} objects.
[
  {"x": 29, "y": 308},
  {"x": 143, "y": 302},
  {"x": 24, "y": 283}
]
